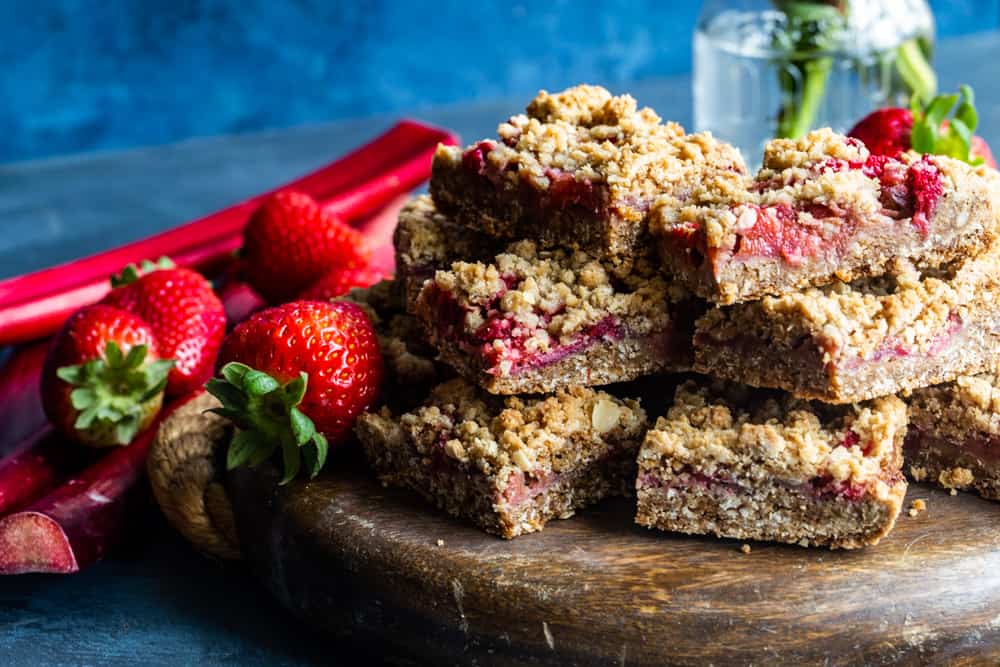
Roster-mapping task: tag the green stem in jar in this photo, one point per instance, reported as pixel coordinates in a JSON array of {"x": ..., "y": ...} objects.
[
  {"x": 796, "y": 119},
  {"x": 916, "y": 71}
]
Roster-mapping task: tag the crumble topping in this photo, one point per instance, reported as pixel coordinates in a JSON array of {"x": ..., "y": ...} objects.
[
  {"x": 552, "y": 433},
  {"x": 956, "y": 478},
  {"x": 425, "y": 237},
  {"x": 555, "y": 294},
  {"x": 723, "y": 427},
  {"x": 817, "y": 185},
  {"x": 907, "y": 310},
  {"x": 584, "y": 136},
  {"x": 956, "y": 410},
  {"x": 917, "y": 506},
  {"x": 918, "y": 473},
  {"x": 408, "y": 360}
]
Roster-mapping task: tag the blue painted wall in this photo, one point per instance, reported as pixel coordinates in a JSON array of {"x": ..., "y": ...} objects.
[{"x": 79, "y": 75}]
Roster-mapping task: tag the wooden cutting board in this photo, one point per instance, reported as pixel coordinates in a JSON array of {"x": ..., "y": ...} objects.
[{"x": 356, "y": 560}]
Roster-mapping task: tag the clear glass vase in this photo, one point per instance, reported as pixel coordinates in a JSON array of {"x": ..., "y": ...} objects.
[{"x": 767, "y": 68}]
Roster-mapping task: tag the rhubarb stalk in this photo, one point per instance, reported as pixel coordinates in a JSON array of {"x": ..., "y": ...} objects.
[
  {"x": 75, "y": 524},
  {"x": 35, "y": 305}
]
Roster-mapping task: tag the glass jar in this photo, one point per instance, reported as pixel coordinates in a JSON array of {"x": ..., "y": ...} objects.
[{"x": 779, "y": 68}]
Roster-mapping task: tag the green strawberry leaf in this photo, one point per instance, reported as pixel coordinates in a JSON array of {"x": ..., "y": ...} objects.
[
  {"x": 268, "y": 415},
  {"x": 934, "y": 132}
]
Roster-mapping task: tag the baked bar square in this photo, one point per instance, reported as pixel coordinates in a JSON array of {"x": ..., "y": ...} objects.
[
  {"x": 822, "y": 209},
  {"x": 736, "y": 462},
  {"x": 580, "y": 169},
  {"x": 426, "y": 240},
  {"x": 532, "y": 320},
  {"x": 954, "y": 436},
  {"x": 845, "y": 343},
  {"x": 512, "y": 464}
]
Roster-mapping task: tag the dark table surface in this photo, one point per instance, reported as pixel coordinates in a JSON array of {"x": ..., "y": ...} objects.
[{"x": 156, "y": 602}]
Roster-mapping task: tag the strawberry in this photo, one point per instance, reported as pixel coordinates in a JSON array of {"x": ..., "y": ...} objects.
[
  {"x": 927, "y": 129},
  {"x": 339, "y": 281},
  {"x": 885, "y": 131},
  {"x": 295, "y": 377},
  {"x": 103, "y": 378},
  {"x": 290, "y": 242},
  {"x": 185, "y": 314}
]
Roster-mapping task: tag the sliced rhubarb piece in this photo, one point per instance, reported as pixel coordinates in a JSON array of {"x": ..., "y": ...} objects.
[
  {"x": 822, "y": 209},
  {"x": 751, "y": 465},
  {"x": 75, "y": 524},
  {"x": 580, "y": 169},
  {"x": 508, "y": 465},
  {"x": 846, "y": 343},
  {"x": 954, "y": 436},
  {"x": 20, "y": 396}
]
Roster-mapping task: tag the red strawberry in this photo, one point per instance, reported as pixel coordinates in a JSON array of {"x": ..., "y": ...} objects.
[
  {"x": 295, "y": 375},
  {"x": 103, "y": 378},
  {"x": 339, "y": 281},
  {"x": 185, "y": 314},
  {"x": 291, "y": 242},
  {"x": 885, "y": 131}
]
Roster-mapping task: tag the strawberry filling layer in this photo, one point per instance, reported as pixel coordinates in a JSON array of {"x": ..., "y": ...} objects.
[
  {"x": 982, "y": 447},
  {"x": 781, "y": 231},
  {"x": 501, "y": 341},
  {"x": 822, "y": 487},
  {"x": 564, "y": 191}
]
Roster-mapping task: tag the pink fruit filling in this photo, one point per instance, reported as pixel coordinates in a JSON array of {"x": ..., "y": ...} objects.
[
  {"x": 823, "y": 486},
  {"x": 502, "y": 338},
  {"x": 522, "y": 487},
  {"x": 778, "y": 231}
]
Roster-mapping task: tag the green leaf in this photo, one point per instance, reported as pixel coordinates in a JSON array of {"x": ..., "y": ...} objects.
[
  {"x": 234, "y": 372},
  {"x": 292, "y": 460},
  {"x": 235, "y": 416},
  {"x": 82, "y": 398},
  {"x": 126, "y": 429},
  {"x": 963, "y": 133},
  {"x": 86, "y": 418},
  {"x": 136, "y": 355},
  {"x": 263, "y": 452},
  {"x": 303, "y": 428},
  {"x": 231, "y": 397},
  {"x": 241, "y": 449},
  {"x": 295, "y": 390},
  {"x": 258, "y": 383},
  {"x": 938, "y": 109},
  {"x": 127, "y": 276},
  {"x": 322, "y": 450},
  {"x": 923, "y": 138},
  {"x": 113, "y": 354},
  {"x": 71, "y": 374}
]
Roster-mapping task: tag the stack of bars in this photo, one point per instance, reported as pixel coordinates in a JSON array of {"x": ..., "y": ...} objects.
[{"x": 592, "y": 245}]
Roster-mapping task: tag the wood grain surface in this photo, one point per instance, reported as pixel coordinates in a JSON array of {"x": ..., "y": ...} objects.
[{"x": 354, "y": 559}]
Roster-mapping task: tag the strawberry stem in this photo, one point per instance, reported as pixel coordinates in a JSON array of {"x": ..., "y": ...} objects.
[
  {"x": 268, "y": 418},
  {"x": 112, "y": 394}
]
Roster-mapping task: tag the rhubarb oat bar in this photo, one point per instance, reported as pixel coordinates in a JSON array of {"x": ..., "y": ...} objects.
[
  {"x": 508, "y": 464},
  {"x": 822, "y": 209},
  {"x": 844, "y": 343},
  {"x": 954, "y": 436},
  {"x": 580, "y": 169},
  {"x": 410, "y": 370},
  {"x": 746, "y": 464},
  {"x": 531, "y": 321},
  {"x": 426, "y": 240}
]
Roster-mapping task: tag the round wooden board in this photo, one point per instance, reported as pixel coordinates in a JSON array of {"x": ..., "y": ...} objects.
[{"x": 355, "y": 559}]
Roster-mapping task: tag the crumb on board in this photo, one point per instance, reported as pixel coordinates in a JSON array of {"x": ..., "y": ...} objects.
[
  {"x": 745, "y": 548},
  {"x": 440, "y": 543},
  {"x": 956, "y": 478},
  {"x": 953, "y": 492},
  {"x": 918, "y": 473},
  {"x": 917, "y": 506}
]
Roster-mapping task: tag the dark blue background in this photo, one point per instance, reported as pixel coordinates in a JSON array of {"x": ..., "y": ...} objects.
[{"x": 79, "y": 75}]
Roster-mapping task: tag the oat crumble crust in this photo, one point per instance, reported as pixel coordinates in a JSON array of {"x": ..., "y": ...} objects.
[
  {"x": 580, "y": 291},
  {"x": 596, "y": 139},
  {"x": 956, "y": 428},
  {"x": 905, "y": 330},
  {"x": 408, "y": 359},
  {"x": 774, "y": 434},
  {"x": 797, "y": 173},
  {"x": 474, "y": 454},
  {"x": 744, "y": 464},
  {"x": 426, "y": 240}
]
